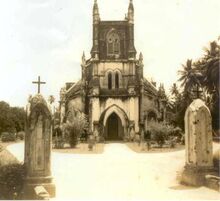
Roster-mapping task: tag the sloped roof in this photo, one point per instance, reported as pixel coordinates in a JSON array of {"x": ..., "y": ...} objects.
[
  {"x": 74, "y": 89},
  {"x": 148, "y": 86}
]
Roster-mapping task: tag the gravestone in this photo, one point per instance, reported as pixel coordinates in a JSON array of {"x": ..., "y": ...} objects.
[
  {"x": 38, "y": 147},
  {"x": 198, "y": 141}
]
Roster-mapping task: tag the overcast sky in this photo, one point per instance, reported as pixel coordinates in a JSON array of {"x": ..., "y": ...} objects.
[{"x": 47, "y": 38}]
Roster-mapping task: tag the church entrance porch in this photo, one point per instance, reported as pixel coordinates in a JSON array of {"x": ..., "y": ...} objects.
[
  {"x": 114, "y": 129},
  {"x": 114, "y": 123}
]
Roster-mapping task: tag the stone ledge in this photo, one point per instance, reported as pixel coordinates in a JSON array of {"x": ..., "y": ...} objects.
[
  {"x": 29, "y": 190},
  {"x": 213, "y": 182},
  {"x": 195, "y": 176}
]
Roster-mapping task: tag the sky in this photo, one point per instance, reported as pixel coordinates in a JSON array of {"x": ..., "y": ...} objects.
[{"x": 48, "y": 37}]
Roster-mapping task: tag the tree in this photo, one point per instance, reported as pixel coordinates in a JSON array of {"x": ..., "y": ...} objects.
[
  {"x": 189, "y": 76},
  {"x": 6, "y": 122},
  {"x": 75, "y": 126},
  {"x": 209, "y": 66},
  {"x": 12, "y": 119},
  {"x": 203, "y": 73},
  {"x": 174, "y": 90},
  {"x": 18, "y": 117}
]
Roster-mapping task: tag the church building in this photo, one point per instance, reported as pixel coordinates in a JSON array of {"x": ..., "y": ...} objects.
[{"x": 113, "y": 93}]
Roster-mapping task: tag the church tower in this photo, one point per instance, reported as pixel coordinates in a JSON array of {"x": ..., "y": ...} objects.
[
  {"x": 113, "y": 92},
  {"x": 112, "y": 75}
]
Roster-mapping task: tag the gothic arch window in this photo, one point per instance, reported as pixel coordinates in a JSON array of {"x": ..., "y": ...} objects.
[
  {"x": 116, "y": 80},
  {"x": 110, "y": 81},
  {"x": 113, "y": 43}
]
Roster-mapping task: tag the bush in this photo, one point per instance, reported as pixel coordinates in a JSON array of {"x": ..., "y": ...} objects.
[
  {"x": 20, "y": 135},
  {"x": 76, "y": 125},
  {"x": 11, "y": 181},
  {"x": 159, "y": 132},
  {"x": 7, "y": 137}
]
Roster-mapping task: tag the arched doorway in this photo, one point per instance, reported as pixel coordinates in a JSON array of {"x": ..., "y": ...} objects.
[
  {"x": 114, "y": 129},
  {"x": 114, "y": 123}
]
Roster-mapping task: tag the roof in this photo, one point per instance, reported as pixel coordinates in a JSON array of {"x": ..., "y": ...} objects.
[
  {"x": 74, "y": 89},
  {"x": 148, "y": 86}
]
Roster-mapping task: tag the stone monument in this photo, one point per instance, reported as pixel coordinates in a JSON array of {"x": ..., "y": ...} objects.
[
  {"x": 38, "y": 148},
  {"x": 198, "y": 140}
]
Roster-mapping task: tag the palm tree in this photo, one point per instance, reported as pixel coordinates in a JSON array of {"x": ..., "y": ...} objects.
[
  {"x": 174, "y": 90},
  {"x": 189, "y": 76},
  {"x": 210, "y": 66}
]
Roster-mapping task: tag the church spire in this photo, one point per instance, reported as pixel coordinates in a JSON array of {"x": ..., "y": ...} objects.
[
  {"x": 130, "y": 18},
  {"x": 131, "y": 12},
  {"x": 96, "y": 16},
  {"x": 96, "y": 20}
]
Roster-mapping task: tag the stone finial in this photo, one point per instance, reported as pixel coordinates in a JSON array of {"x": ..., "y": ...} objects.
[
  {"x": 141, "y": 58},
  {"x": 83, "y": 61},
  {"x": 131, "y": 12},
  {"x": 96, "y": 17}
]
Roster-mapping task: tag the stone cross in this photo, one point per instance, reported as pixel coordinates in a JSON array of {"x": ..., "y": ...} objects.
[
  {"x": 197, "y": 91},
  {"x": 198, "y": 142},
  {"x": 38, "y": 83},
  {"x": 38, "y": 141}
]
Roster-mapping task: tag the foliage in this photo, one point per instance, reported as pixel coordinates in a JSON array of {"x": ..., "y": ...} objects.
[
  {"x": 7, "y": 137},
  {"x": 12, "y": 119},
  {"x": 75, "y": 126},
  {"x": 201, "y": 74},
  {"x": 12, "y": 179},
  {"x": 159, "y": 132},
  {"x": 21, "y": 135},
  {"x": 189, "y": 76}
]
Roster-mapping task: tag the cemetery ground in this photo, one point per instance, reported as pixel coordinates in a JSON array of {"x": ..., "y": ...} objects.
[
  {"x": 120, "y": 173},
  {"x": 81, "y": 148},
  {"x": 136, "y": 147}
]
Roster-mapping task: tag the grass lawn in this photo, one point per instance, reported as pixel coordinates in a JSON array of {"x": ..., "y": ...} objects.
[
  {"x": 82, "y": 148},
  {"x": 143, "y": 149}
]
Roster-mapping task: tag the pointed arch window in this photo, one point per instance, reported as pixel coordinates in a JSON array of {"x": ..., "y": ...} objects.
[
  {"x": 116, "y": 80},
  {"x": 113, "y": 43},
  {"x": 110, "y": 81}
]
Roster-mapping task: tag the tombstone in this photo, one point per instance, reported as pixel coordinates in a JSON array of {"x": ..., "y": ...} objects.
[
  {"x": 38, "y": 148},
  {"x": 198, "y": 142}
]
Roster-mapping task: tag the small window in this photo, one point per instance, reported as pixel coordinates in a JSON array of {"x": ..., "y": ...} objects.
[
  {"x": 109, "y": 81},
  {"x": 116, "y": 80}
]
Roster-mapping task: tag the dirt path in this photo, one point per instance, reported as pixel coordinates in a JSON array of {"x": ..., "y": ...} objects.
[{"x": 120, "y": 173}]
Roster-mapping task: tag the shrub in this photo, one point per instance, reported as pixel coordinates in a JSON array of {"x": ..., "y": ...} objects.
[
  {"x": 21, "y": 135},
  {"x": 7, "y": 137},
  {"x": 159, "y": 132},
  {"x": 11, "y": 181},
  {"x": 75, "y": 127}
]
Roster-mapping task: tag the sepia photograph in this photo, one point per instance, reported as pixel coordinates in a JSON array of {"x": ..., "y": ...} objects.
[{"x": 109, "y": 100}]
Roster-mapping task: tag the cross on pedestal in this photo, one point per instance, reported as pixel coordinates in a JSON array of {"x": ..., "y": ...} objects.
[
  {"x": 38, "y": 83},
  {"x": 197, "y": 91}
]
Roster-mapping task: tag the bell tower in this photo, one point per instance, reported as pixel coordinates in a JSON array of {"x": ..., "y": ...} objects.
[{"x": 113, "y": 40}]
